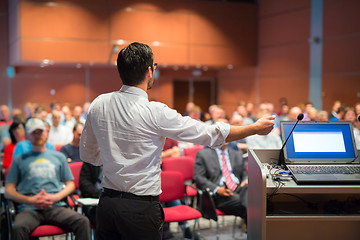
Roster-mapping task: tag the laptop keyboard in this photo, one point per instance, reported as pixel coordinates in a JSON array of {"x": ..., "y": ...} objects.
[{"x": 325, "y": 169}]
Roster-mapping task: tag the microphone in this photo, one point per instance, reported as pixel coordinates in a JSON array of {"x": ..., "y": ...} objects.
[
  {"x": 281, "y": 162},
  {"x": 359, "y": 118}
]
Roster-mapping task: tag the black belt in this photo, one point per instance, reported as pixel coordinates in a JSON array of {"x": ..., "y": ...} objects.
[{"x": 115, "y": 193}]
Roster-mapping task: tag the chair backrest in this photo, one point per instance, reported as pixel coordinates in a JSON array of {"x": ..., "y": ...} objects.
[
  {"x": 193, "y": 150},
  {"x": 75, "y": 168},
  {"x": 172, "y": 186},
  {"x": 58, "y": 147},
  {"x": 184, "y": 165}
]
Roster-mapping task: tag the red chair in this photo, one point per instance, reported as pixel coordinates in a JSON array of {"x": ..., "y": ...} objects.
[
  {"x": 58, "y": 147},
  {"x": 172, "y": 186},
  {"x": 75, "y": 168},
  {"x": 40, "y": 231},
  {"x": 192, "y": 151},
  {"x": 48, "y": 231},
  {"x": 184, "y": 165}
]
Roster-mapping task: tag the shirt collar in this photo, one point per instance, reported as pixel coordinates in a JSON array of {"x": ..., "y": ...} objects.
[
  {"x": 219, "y": 151},
  {"x": 134, "y": 90}
]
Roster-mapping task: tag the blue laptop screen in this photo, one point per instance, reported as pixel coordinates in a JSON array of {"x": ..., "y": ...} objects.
[{"x": 319, "y": 140}]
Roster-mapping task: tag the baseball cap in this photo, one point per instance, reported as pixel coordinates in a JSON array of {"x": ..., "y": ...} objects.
[{"x": 32, "y": 124}]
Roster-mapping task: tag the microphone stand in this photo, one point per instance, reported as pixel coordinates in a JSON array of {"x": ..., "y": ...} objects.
[{"x": 281, "y": 162}]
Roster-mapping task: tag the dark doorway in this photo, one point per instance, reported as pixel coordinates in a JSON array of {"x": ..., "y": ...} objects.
[{"x": 201, "y": 92}]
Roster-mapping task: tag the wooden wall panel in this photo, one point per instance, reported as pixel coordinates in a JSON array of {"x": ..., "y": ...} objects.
[
  {"x": 342, "y": 55},
  {"x": 63, "y": 21},
  {"x": 294, "y": 88},
  {"x": 103, "y": 80},
  {"x": 65, "y": 51},
  {"x": 288, "y": 28},
  {"x": 235, "y": 86},
  {"x": 150, "y": 26},
  {"x": 171, "y": 54},
  {"x": 341, "y": 17},
  {"x": 274, "y": 7},
  {"x": 341, "y": 71},
  {"x": 343, "y": 87},
  {"x": 72, "y": 27},
  {"x": 219, "y": 55},
  {"x": 218, "y": 24},
  {"x": 284, "y": 60},
  {"x": 283, "y": 71},
  {"x": 36, "y": 86},
  {"x": 3, "y": 52}
]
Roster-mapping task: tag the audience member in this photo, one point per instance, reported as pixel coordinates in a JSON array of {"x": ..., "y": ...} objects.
[
  {"x": 349, "y": 115},
  {"x": 59, "y": 134},
  {"x": 216, "y": 113},
  {"x": 284, "y": 111},
  {"x": 5, "y": 136},
  {"x": 29, "y": 108},
  {"x": 90, "y": 187},
  {"x": 71, "y": 150},
  {"x": 17, "y": 134},
  {"x": 170, "y": 149},
  {"x": 334, "y": 109},
  {"x": 270, "y": 141},
  {"x": 356, "y": 130},
  {"x": 312, "y": 114},
  {"x": 5, "y": 123},
  {"x": 357, "y": 108},
  {"x": 25, "y": 146},
  {"x": 250, "y": 111},
  {"x": 40, "y": 113},
  {"x": 339, "y": 114},
  {"x": 85, "y": 110},
  {"x": 237, "y": 120},
  {"x": 241, "y": 110},
  {"x": 38, "y": 181},
  {"x": 189, "y": 105},
  {"x": 55, "y": 106},
  {"x": 77, "y": 114},
  {"x": 293, "y": 114},
  {"x": 323, "y": 116},
  {"x": 223, "y": 172},
  {"x": 307, "y": 107},
  {"x": 69, "y": 119},
  {"x": 194, "y": 113}
]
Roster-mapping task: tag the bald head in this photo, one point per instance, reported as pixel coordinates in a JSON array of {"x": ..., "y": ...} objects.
[{"x": 293, "y": 113}]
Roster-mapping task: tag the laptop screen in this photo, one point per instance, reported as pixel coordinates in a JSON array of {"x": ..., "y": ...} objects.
[{"x": 319, "y": 142}]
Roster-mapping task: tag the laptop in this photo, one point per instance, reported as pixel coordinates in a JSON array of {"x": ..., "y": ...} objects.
[{"x": 321, "y": 152}]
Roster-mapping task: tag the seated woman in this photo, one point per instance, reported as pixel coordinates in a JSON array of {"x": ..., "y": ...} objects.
[{"x": 17, "y": 134}]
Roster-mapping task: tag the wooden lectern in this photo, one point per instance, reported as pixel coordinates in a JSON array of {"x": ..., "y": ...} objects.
[{"x": 290, "y": 211}]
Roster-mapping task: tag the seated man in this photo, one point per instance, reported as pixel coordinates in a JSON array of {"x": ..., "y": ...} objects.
[
  {"x": 90, "y": 187},
  {"x": 38, "y": 180},
  {"x": 223, "y": 171},
  {"x": 71, "y": 150},
  {"x": 59, "y": 134}
]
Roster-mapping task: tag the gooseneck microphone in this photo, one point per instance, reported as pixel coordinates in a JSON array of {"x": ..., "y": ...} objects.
[{"x": 281, "y": 162}]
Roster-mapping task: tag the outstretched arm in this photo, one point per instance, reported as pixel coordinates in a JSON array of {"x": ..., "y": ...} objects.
[{"x": 262, "y": 126}]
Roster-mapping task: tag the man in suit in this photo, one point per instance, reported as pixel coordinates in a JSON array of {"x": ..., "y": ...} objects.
[
  {"x": 223, "y": 172},
  {"x": 89, "y": 185}
]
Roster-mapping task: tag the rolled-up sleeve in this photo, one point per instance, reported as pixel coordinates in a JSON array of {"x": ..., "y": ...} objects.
[{"x": 172, "y": 125}]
